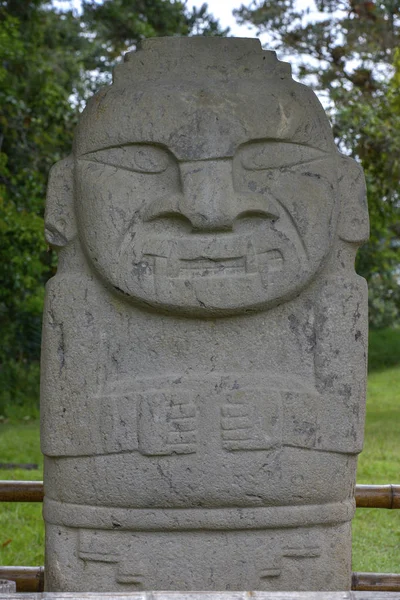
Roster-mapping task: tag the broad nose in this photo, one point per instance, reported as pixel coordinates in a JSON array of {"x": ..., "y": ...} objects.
[
  {"x": 208, "y": 199},
  {"x": 208, "y": 194}
]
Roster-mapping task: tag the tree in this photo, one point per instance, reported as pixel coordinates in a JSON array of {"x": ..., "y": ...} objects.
[
  {"x": 348, "y": 53},
  {"x": 50, "y": 61},
  {"x": 36, "y": 122},
  {"x": 120, "y": 24}
]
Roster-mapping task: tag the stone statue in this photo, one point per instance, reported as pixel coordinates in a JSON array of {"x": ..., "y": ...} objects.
[{"x": 204, "y": 349}]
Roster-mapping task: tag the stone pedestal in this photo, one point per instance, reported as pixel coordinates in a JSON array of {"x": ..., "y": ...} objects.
[{"x": 204, "y": 345}]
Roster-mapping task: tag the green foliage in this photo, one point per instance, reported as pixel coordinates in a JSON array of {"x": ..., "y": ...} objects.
[
  {"x": 21, "y": 293},
  {"x": 349, "y": 54},
  {"x": 19, "y": 390},
  {"x": 383, "y": 300},
  {"x": 36, "y": 122},
  {"x": 120, "y": 24},
  {"x": 383, "y": 349}
]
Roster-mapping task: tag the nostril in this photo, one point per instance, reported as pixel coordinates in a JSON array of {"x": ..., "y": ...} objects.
[
  {"x": 257, "y": 214},
  {"x": 168, "y": 215},
  {"x": 164, "y": 207},
  {"x": 170, "y": 222}
]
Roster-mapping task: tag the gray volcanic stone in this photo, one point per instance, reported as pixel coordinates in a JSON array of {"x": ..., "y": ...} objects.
[{"x": 204, "y": 345}]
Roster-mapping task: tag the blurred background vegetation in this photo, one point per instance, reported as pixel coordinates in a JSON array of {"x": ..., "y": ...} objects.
[{"x": 52, "y": 58}]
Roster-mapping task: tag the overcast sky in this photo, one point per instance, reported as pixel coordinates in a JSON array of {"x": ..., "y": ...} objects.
[{"x": 222, "y": 9}]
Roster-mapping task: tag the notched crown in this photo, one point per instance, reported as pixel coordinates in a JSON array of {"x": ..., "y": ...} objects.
[{"x": 211, "y": 57}]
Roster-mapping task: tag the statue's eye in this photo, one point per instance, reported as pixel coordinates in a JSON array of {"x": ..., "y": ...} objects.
[
  {"x": 260, "y": 156},
  {"x": 141, "y": 158}
]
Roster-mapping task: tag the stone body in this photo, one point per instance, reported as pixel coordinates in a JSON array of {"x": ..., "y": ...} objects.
[{"x": 204, "y": 349}]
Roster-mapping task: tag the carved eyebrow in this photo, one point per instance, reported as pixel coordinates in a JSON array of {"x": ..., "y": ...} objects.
[
  {"x": 245, "y": 151},
  {"x": 163, "y": 148},
  {"x": 124, "y": 145},
  {"x": 142, "y": 158},
  {"x": 273, "y": 154}
]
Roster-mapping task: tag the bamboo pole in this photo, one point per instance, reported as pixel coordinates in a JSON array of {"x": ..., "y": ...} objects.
[
  {"x": 21, "y": 491},
  {"x": 378, "y": 496},
  {"x": 367, "y": 496},
  {"x": 28, "y": 579},
  {"x": 31, "y": 579},
  {"x": 375, "y": 582}
]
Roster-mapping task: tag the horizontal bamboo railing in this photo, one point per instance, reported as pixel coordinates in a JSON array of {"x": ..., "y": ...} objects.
[
  {"x": 374, "y": 582},
  {"x": 367, "y": 496},
  {"x": 31, "y": 579},
  {"x": 28, "y": 579},
  {"x": 378, "y": 496},
  {"x": 21, "y": 491}
]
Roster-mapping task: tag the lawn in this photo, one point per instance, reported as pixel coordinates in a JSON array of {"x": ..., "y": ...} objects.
[
  {"x": 21, "y": 525},
  {"x": 376, "y": 533}
]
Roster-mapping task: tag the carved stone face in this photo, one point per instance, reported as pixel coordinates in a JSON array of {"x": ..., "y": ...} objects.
[{"x": 206, "y": 198}]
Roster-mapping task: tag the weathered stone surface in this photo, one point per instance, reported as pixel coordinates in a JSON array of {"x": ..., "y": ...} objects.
[{"x": 204, "y": 346}]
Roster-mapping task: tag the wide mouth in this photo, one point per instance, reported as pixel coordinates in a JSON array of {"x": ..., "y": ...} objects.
[
  {"x": 207, "y": 267},
  {"x": 210, "y": 267}
]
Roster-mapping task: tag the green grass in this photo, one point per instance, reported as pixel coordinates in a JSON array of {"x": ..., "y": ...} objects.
[
  {"x": 21, "y": 524},
  {"x": 376, "y": 533}
]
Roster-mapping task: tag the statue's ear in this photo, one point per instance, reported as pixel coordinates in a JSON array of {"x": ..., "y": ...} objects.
[
  {"x": 353, "y": 219},
  {"x": 60, "y": 225}
]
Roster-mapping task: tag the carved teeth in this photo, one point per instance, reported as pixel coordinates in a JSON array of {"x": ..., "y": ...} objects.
[
  {"x": 206, "y": 267},
  {"x": 272, "y": 260},
  {"x": 173, "y": 267},
  {"x": 251, "y": 259}
]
